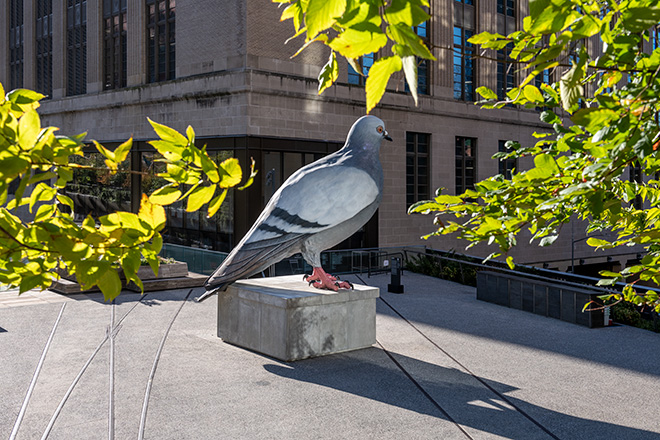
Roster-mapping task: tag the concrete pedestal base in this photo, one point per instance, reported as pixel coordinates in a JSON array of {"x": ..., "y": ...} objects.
[{"x": 284, "y": 318}]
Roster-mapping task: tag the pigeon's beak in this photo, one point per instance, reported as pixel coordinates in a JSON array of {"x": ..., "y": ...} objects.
[{"x": 387, "y": 136}]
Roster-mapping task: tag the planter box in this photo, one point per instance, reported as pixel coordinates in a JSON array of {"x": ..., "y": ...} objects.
[
  {"x": 557, "y": 300},
  {"x": 170, "y": 276},
  {"x": 284, "y": 318}
]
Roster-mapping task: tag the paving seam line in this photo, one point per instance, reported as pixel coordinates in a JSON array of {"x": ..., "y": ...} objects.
[
  {"x": 113, "y": 332},
  {"x": 467, "y": 370}
]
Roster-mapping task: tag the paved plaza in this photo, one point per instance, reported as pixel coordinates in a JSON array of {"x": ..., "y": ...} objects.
[{"x": 445, "y": 366}]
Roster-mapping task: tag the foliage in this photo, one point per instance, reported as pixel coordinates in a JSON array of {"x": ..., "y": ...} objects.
[
  {"x": 353, "y": 28},
  {"x": 602, "y": 116},
  {"x": 33, "y": 252},
  {"x": 447, "y": 269},
  {"x": 627, "y": 313}
]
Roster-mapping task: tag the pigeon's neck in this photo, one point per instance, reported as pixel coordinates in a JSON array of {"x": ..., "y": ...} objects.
[{"x": 365, "y": 156}]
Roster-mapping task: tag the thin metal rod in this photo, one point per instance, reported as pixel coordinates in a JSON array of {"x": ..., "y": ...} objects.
[
  {"x": 111, "y": 374},
  {"x": 57, "y": 412},
  {"x": 21, "y": 413},
  {"x": 147, "y": 393}
]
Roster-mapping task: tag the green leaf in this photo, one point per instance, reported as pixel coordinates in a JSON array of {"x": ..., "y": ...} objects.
[
  {"x": 533, "y": 94},
  {"x": 406, "y": 12},
  {"x": 596, "y": 242},
  {"x": 594, "y": 118},
  {"x": 570, "y": 88},
  {"x": 44, "y": 212},
  {"x": 405, "y": 36},
  {"x": 410, "y": 71},
  {"x": 121, "y": 152},
  {"x": 321, "y": 14},
  {"x": 29, "y": 127},
  {"x": 354, "y": 43},
  {"x": 548, "y": 240},
  {"x": 639, "y": 19},
  {"x": 215, "y": 204},
  {"x": 165, "y": 195},
  {"x": 379, "y": 75},
  {"x": 486, "y": 93},
  {"x": 232, "y": 173},
  {"x": 169, "y": 134},
  {"x": 329, "y": 73},
  {"x": 110, "y": 284},
  {"x": 509, "y": 262},
  {"x": 42, "y": 193},
  {"x": 199, "y": 197}
]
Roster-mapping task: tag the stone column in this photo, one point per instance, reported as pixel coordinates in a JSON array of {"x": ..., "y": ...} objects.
[
  {"x": 94, "y": 47},
  {"x": 442, "y": 38},
  {"x": 29, "y": 45},
  {"x": 136, "y": 58},
  {"x": 4, "y": 45},
  {"x": 486, "y": 22},
  {"x": 59, "y": 49}
]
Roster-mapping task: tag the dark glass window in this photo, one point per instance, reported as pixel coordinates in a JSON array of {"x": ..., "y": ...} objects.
[
  {"x": 76, "y": 47},
  {"x": 161, "y": 58},
  {"x": 464, "y": 53},
  {"x": 506, "y": 166},
  {"x": 114, "y": 44},
  {"x": 16, "y": 39},
  {"x": 466, "y": 163},
  {"x": 417, "y": 167},
  {"x": 655, "y": 37},
  {"x": 365, "y": 64},
  {"x": 44, "y": 46}
]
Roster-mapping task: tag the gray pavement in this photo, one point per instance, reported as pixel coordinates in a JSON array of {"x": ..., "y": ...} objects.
[{"x": 446, "y": 366}]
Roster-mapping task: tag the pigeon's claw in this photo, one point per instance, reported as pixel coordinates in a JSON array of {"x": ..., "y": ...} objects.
[{"x": 321, "y": 280}]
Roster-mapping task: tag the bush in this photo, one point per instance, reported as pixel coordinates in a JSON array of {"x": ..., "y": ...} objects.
[{"x": 442, "y": 268}]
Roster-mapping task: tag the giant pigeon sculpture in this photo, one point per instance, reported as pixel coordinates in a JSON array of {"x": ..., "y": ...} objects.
[{"x": 318, "y": 207}]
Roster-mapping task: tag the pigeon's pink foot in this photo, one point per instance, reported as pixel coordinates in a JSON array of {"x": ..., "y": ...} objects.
[{"x": 321, "y": 280}]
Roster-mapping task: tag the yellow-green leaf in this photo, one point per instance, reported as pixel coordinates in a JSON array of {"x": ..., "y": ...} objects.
[
  {"x": 532, "y": 93},
  {"x": 233, "y": 171},
  {"x": 379, "y": 75},
  {"x": 329, "y": 73},
  {"x": 199, "y": 197},
  {"x": 122, "y": 151},
  {"x": 153, "y": 214},
  {"x": 354, "y": 43},
  {"x": 321, "y": 14},
  {"x": 165, "y": 195},
  {"x": 29, "y": 127},
  {"x": 110, "y": 284},
  {"x": 169, "y": 134},
  {"x": 216, "y": 203}
]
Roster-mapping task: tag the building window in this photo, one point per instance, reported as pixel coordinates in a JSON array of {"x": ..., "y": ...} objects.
[
  {"x": 506, "y": 166},
  {"x": 44, "y": 46},
  {"x": 655, "y": 37},
  {"x": 464, "y": 61},
  {"x": 466, "y": 165},
  {"x": 114, "y": 41},
  {"x": 506, "y": 24},
  {"x": 16, "y": 44},
  {"x": 365, "y": 64},
  {"x": 161, "y": 39},
  {"x": 417, "y": 167},
  {"x": 422, "y": 64},
  {"x": 76, "y": 45}
]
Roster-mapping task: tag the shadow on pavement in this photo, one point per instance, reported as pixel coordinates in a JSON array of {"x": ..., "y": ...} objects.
[{"x": 467, "y": 401}]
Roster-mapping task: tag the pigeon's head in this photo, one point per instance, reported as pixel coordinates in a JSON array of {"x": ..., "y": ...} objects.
[{"x": 368, "y": 132}]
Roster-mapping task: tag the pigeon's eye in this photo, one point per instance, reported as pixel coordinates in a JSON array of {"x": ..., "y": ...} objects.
[{"x": 380, "y": 129}]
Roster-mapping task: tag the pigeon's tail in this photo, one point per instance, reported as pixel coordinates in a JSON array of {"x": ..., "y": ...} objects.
[
  {"x": 248, "y": 260},
  {"x": 211, "y": 291}
]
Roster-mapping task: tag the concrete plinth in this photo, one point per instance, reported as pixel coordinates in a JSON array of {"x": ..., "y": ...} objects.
[{"x": 284, "y": 318}]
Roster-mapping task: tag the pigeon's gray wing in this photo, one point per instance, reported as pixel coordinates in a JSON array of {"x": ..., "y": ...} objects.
[{"x": 310, "y": 201}]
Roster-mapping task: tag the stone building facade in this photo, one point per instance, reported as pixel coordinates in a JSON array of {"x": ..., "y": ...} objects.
[{"x": 224, "y": 68}]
